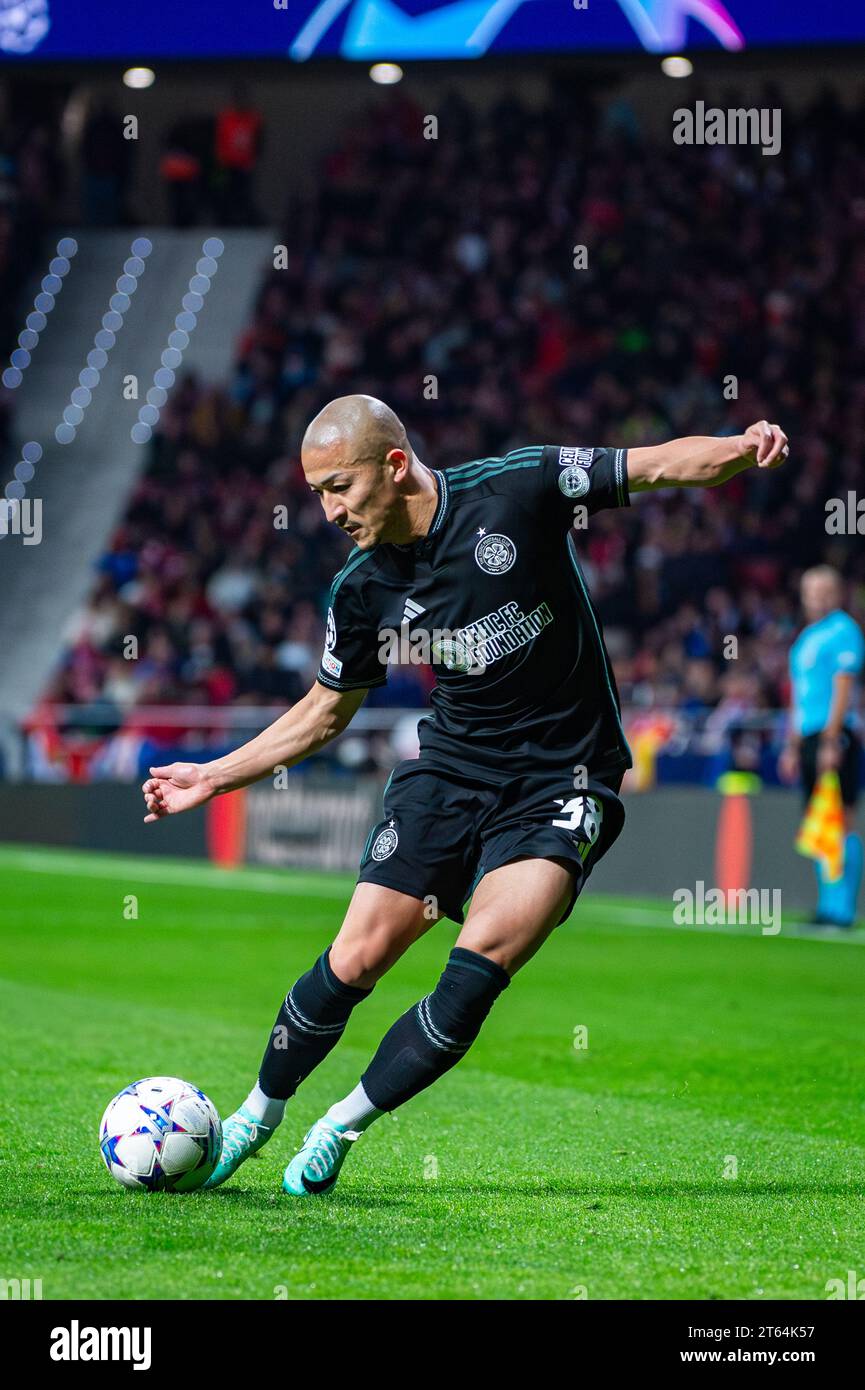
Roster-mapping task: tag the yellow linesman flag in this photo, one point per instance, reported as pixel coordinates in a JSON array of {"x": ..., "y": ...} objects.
[{"x": 821, "y": 834}]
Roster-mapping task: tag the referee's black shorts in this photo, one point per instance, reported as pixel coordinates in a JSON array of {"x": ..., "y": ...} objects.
[
  {"x": 848, "y": 771},
  {"x": 442, "y": 830}
]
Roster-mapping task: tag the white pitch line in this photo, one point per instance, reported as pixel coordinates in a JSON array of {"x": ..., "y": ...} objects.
[
  {"x": 661, "y": 917},
  {"x": 339, "y": 885},
  {"x": 289, "y": 882}
]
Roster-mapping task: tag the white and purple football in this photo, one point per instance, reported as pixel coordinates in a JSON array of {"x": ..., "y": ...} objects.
[{"x": 161, "y": 1134}]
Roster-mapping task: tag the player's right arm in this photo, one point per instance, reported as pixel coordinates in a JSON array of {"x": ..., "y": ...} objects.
[
  {"x": 351, "y": 664},
  {"x": 308, "y": 726}
]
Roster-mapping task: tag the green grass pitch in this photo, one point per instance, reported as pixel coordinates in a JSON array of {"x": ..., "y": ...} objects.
[{"x": 533, "y": 1170}]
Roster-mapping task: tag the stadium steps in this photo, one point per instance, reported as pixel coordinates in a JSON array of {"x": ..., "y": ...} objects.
[{"x": 84, "y": 485}]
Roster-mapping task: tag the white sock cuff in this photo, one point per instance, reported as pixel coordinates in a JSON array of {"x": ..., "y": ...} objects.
[
  {"x": 356, "y": 1111},
  {"x": 264, "y": 1109}
]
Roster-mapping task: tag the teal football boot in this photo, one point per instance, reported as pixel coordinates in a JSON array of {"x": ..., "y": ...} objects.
[
  {"x": 242, "y": 1135},
  {"x": 315, "y": 1167}
]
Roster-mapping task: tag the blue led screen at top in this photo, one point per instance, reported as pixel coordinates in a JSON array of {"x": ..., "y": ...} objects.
[{"x": 362, "y": 30}]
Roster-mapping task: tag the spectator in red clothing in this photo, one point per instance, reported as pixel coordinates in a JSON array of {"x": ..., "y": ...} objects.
[
  {"x": 182, "y": 173},
  {"x": 239, "y": 134}
]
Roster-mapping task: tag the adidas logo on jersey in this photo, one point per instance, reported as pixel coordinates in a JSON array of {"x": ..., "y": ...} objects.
[{"x": 411, "y": 611}]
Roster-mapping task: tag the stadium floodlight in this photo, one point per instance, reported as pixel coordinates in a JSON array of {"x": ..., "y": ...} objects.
[
  {"x": 139, "y": 78},
  {"x": 676, "y": 66},
  {"x": 386, "y": 74}
]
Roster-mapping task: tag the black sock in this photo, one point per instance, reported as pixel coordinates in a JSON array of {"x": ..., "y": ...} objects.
[
  {"x": 433, "y": 1036},
  {"x": 311, "y": 1022}
]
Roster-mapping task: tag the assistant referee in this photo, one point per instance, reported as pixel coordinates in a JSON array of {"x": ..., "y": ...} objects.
[{"x": 825, "y": 661}]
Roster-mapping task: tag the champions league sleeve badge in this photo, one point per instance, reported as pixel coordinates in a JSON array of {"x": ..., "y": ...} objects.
[{"x": 574, "y": 481}]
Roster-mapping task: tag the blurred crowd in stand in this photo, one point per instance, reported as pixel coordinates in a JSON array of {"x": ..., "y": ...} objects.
[{"x": 721, "y": 286}]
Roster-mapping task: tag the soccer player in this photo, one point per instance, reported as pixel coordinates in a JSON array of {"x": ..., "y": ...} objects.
[
  {"x": 825, "y": 660},
  {"x": 514, "y": 796}
]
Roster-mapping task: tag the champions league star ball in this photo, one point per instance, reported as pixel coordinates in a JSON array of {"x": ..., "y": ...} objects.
[{"x": 161, "y": 1134}]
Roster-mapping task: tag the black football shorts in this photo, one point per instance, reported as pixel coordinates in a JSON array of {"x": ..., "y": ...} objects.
[
  {"x": 443, "y": 830},
  {"x": 849, "y": 772}
]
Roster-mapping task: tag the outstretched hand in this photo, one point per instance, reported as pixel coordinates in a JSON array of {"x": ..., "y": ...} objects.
[
  {"x": 177, "y": 787},
  {"x": 765, "y": 445}
]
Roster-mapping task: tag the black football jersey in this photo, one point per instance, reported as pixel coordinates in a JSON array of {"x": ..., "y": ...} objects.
[{"x": 493, "y": 596}]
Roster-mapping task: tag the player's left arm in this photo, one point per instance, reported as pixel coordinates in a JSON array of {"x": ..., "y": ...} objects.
[{"x": 704, "y": 461}]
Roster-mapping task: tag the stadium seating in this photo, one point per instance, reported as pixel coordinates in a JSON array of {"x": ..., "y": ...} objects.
[{"x": 447, "y": 265}]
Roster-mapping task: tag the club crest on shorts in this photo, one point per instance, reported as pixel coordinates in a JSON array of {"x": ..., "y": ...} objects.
[
  {"x": 574, "y": 481},
  {"x": 495, "y": 553},
  {"x": 384, "y": 844}
]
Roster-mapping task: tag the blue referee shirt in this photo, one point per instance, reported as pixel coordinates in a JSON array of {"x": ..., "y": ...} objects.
[{"x": 823, "y": 650}]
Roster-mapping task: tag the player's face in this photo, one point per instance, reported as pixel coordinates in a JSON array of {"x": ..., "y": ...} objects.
[
  {"x": 820, "y": 595},
  {"x": 357, "y": 498}
]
